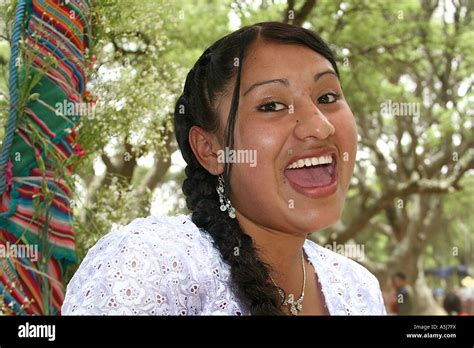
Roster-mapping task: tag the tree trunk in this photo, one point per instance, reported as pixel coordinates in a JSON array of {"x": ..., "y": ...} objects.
[{"x": 425, "y": 302}]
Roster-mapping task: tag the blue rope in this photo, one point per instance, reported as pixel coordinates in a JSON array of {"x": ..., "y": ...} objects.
[
  {"x": 10, "y": 301},
  {"x": 13, "y": 91}
]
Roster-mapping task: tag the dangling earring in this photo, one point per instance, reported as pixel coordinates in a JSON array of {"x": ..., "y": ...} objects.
[{"x": 225, "y": 202}]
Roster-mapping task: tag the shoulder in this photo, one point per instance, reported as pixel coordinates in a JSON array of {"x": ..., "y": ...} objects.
[
  {"x": 349, "y": 287},
  {"x": 340, "y": 263},
  {"x": 154, "y": 265},
  {"x": 167, "y": 231}
]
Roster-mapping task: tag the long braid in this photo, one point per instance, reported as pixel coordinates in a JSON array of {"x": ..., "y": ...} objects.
[
  {"x": 250, "y": 277},
  {"x": 248, "y": 273}
]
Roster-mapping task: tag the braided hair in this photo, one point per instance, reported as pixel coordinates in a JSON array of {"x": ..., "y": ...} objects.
[{"x": 206, "y": 81}]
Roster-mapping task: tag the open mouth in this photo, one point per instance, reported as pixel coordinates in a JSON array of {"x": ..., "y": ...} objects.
[{"x": 312, "y": 172}]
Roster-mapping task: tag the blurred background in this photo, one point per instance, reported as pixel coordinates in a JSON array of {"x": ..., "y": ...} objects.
[{"x": 407, "y": 73}]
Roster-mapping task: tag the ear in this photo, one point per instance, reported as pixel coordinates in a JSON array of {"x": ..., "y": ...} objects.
[{"x": 205, "y": 146}]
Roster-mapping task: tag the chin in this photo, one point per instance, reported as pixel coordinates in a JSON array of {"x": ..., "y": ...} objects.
[{"x": 318, "y": 219}]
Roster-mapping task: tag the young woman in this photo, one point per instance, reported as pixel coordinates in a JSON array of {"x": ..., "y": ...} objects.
[{"x": 270, "y": 145}]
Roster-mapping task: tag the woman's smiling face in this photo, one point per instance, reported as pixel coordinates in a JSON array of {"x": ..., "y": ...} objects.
[{"x": 291, "y": 108}]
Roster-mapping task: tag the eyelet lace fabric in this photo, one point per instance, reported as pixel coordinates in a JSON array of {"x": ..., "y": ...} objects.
[{"x": 167, "y": 266}]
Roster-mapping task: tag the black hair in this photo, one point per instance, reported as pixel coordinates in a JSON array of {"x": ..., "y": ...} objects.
[
  {"x": 452, "y": 303},
  {"x": 208, "y": 79},
  {"x": 400, "y": 275}
]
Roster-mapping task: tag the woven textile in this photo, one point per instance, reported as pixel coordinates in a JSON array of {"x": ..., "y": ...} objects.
[{"x": 57, "y": 36}]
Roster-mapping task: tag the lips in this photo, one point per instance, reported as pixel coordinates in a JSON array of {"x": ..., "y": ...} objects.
[{"x": 314, "y": 174}]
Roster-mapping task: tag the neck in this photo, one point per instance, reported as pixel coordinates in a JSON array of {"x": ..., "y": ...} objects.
[{"x": 280, "y": 250}]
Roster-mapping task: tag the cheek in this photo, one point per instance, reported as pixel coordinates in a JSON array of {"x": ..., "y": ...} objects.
[
  {"x": 263, "y": 139},
  {"x": 265, "y": 145}
]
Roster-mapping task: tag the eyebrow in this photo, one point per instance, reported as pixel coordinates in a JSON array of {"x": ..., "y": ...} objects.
[{"x": 286, "y": 83}]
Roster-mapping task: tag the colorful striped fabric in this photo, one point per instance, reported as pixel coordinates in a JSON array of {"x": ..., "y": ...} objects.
[{"x": 57, "y": 39}]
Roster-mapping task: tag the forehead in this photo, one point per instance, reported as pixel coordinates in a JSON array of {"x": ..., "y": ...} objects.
[
  {"x": 265, "y": 60},
  {"x": 274, "y": 60}
]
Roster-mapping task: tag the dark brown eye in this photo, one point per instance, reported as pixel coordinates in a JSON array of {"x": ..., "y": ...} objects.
[
  {"x": 328, "y": 98},
  {"x": 271, "y": 107}
]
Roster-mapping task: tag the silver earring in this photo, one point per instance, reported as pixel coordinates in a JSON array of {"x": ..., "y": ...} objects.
[{"x": 225, "y": 202}]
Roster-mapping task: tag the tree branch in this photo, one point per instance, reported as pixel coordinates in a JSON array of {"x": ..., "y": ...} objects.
[
  {"x": 297, "y": 17},
  {"x": 385, "y": 229},
  {"x": 108, "y": 163},
  {"x": 423, "y": 186}
]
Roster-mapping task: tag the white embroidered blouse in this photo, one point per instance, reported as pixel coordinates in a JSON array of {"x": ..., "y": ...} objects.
[{"x": 168, "y": 266}]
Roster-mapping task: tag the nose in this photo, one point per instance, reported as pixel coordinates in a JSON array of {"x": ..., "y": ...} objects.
[{"x": 311, "y": 122}]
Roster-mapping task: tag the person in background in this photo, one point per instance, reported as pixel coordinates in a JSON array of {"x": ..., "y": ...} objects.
[
  {"x": 452, "y": 304},
  {"x": 403, "y": 304}
]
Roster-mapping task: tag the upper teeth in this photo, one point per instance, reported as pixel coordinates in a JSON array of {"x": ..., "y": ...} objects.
[{"x": 310, "y": 161}]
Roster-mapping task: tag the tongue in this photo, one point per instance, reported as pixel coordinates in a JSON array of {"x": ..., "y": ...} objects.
[{"x": 310, "y": 177}]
